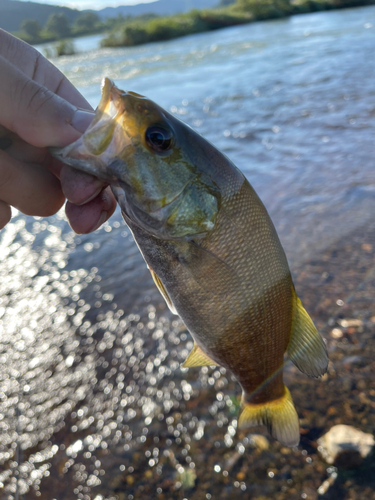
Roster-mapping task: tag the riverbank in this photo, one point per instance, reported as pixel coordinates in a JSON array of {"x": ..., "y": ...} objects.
[{"x": 158, "y": 29}]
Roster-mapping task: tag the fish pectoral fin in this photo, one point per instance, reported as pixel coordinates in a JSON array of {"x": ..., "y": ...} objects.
[
  {"x": 279, "y": 416},
  {"x": 163, "y": 291},
  {"x": 210, "y": 272},
  {"x": 306, "y": 347},
  {"x": 198, "y": 358}
]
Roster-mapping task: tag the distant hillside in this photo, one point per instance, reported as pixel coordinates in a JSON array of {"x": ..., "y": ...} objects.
[
  {"x": 159, "y": 7},
  {"x": 13, "y": 12}
]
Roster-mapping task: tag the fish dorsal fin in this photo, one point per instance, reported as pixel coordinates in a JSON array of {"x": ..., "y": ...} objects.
[
  {"x": 198, "y": 358},
  {"x": 306, "y": 347},
  {"x": 279, "y": 416},
  {"x": 163, "y": 291}
]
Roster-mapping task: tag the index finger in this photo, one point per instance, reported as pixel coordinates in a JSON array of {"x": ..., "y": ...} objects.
[{"x": 35, "y": 66}]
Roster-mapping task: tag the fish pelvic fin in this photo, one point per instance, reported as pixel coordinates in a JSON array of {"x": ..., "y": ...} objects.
[
  {"x": 198, "y": 358},
  {"x": 278, "y": 415},
  {"x": 306, "y": 347},
  {"x": 163, "y": 291}
]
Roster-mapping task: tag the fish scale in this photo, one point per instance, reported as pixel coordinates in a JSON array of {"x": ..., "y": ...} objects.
[{"x": 211, "y": 248}]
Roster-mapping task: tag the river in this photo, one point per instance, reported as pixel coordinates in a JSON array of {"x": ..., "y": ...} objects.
[{"x": 93, "y": 402}]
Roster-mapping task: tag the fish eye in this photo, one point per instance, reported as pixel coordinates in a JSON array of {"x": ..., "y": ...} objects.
[{"x": 159, "y": 138}]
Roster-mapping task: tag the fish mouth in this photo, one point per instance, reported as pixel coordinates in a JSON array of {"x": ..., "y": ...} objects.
[
  {"x": 94, "y": 151},
  {"x": 110, "y": 102}
]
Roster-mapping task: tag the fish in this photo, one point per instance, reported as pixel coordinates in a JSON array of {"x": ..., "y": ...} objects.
[{"x": 211, "y": 248}]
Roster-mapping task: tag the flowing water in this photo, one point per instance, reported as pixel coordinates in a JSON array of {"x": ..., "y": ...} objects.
[{"x": 93, "y": 402}]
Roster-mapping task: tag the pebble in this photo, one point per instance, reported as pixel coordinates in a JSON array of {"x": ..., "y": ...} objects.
[
  {"x": 356, "y": 361},
  {"x": 346, "y": 323},
  {"x": 259, "y": 441},
  {"x": 344, "y": 446},
  {"x": 336, "y": 333}
]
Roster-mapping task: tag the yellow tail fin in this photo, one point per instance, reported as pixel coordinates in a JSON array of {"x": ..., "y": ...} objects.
[{"x": 279, "y": 416}]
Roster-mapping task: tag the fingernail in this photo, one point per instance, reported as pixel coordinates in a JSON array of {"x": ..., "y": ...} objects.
[
  {"x": 102, "y": 219},
  {"x": 94, "y": 195},
  {"x": 82, "y": 119},
  {"x": 106, "y": 199}
]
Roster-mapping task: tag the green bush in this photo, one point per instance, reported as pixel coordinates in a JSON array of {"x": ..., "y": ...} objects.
[
  {"x": 167, "y": 28},
  {"x": 65, "y": 48},
  {"x": 58, "y": 26},
  {"x": 87, "y": 22},
  {"x": 266, "y": 9},
  {"x": 242, "y": 11}
]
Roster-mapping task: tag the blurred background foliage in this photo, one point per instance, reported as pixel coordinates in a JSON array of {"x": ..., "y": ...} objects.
[
  {"x": 135, "y": 30},
  {"x": 228, "y": 13}
]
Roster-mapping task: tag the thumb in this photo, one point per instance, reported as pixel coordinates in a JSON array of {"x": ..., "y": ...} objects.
[{"x": 34, "y": 113}]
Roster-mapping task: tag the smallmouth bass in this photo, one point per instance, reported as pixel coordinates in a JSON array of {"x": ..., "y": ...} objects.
[{"x": 211, "y": 248}]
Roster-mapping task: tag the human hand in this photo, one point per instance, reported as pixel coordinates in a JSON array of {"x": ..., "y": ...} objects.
[{"x": 41, "y": 108}]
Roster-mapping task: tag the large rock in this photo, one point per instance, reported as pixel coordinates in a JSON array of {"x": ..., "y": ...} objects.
[{"x": 344, "y": 446}]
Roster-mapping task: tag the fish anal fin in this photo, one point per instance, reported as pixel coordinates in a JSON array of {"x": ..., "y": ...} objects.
[
  {"x": 306, "y": 347},
  {"x": 198, "y": 358},
  {"x": 163, "y": 291},
  {"x": 278, "y": 415}
]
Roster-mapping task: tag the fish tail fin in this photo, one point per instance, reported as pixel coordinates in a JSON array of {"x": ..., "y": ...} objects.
[
  {"x": 306, "y": 347},
  {"x": 278, "y": 415}
]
